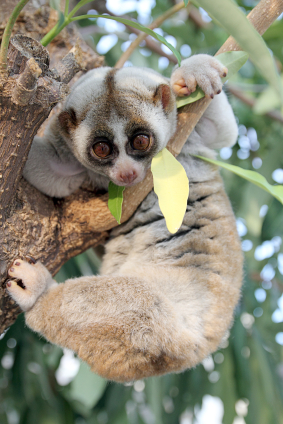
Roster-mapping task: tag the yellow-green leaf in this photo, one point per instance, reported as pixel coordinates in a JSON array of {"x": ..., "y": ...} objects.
[
  {"x": 233, "y": 62},
  {"x": 267, "y": 100},
  {"x": 115, "y": 200},
  {"x": 251, "y": 176},
  {"x": 171, "y": 185}
]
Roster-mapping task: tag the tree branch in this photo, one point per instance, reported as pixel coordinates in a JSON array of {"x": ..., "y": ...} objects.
[
  {"x": 273, "y": 114},
  {"x": 26, "y": 101},
  {"x": 142, "y": 36},
  {"x": 150, "y": 43}
]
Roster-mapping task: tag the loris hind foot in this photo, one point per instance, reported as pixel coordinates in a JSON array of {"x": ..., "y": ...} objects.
[{"x": 35, "y": 281}]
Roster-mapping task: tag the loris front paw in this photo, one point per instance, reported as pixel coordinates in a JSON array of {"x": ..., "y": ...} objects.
[
  {"x": 202, "y": 70},
  {"x": 34, "y": 280}
]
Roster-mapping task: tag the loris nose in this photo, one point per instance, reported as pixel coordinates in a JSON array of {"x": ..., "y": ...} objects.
[{"x": 127, "y": 177}]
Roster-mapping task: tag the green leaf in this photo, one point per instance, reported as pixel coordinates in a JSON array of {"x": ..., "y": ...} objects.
[
  {"x": 234, "y": 21},
  {"x": 267, "y": 100},
  {"x": 153, "y": 388},
  {"x": 87, "y": 387},
  {"x": 196, "y": 95},
  {"x": 186, "y": 2},
  {"x": 171, "y": 185},
  {"x": 137, "y": 26},
  {"x": 251, "y": 176},
  {"x": 61, "y": 18},
  {"x": 55, "y": 4},
  {"x": 115, "y": 200},
  {"x": 233, "y": 62}
]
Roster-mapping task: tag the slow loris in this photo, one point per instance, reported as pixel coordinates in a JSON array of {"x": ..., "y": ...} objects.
[{"x": 163, "y": 302}]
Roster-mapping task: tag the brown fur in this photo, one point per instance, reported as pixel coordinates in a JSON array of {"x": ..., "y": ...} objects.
[
  {"x": 128, "y": 329},
  {"x": 164, "y": 301}
]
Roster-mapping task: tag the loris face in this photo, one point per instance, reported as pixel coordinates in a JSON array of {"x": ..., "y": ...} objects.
[{"x": 115, "y": 121}]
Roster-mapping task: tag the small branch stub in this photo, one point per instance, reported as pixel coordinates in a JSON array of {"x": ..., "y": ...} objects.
[
  {"x": 70, "y": 64},
  {"x": 26, "y": 84},
  {"x": 21, "y": 49}
]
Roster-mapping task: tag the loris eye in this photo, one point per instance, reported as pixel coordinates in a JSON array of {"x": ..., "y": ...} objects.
[
  {"x": 141, "y": 142},
  {"x": 102, "y": 149}
]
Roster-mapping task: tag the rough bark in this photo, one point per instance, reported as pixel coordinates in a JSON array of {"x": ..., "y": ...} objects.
[
  {"x": 53, "y": 231},
  {"x": 30, "y": 221}
]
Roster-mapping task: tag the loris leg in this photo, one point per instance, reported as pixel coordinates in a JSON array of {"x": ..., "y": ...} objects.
[
  {"x": 57, "y": 174},
  {"x": 121, "y": 327}
]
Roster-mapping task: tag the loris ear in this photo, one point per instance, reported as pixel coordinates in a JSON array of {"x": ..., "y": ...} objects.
[
  {"x": 68, "y": 120},
  {"x": 164, "y": 94}
]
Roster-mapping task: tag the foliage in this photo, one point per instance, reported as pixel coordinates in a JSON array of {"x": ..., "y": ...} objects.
[
  {"x": 247, "y": 371},
  {"x": 115, "y": 200},
  {"x": 171, "y": 185}
]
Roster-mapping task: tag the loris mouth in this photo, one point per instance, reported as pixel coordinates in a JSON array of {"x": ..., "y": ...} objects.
[{"x": 127, "y": 183}]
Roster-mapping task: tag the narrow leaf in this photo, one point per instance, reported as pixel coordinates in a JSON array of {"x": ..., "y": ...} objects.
[
  {"x": 171, "y": 185},
  {"x": 267, "y": 100},
  {"x": 115, "y": 200},
  {"x": 55, "y": 4},
  {"x": 234, "y": 21},
  {"x": 87, "y": 387},
  {"x": 251, "y": 176},
  {"x": 233, "y": 62},
  {"x": 137, "y": 26},
  {"x": 61, "y": 18},
  {"x": 186, "y": 2}
]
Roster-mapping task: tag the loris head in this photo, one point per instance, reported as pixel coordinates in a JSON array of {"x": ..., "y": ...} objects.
[{"x": 115, "y": 121}]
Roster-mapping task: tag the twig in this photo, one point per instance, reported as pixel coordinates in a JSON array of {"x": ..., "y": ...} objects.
[
  {"x": 195, "y": 16},
  {"x": 142, "y": 36},
  {"x": 150, "y": 43},
  {"x": 255, "y": 276},
  {"x": 274, "y": 114}
]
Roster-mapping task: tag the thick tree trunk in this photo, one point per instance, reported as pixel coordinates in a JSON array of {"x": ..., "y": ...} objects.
[
  {"x": 34, "y": 224},
  {"x": 31, "y": 223}
]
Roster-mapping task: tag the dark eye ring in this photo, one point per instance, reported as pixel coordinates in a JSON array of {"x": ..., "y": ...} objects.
[
  {"x": 102, "y": 149},
  {"x": 141, "y": 142}
]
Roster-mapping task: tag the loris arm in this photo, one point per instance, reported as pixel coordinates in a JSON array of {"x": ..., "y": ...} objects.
[
  {"x": 54, "y": 172},
  {"x": 217, "y": 127}
]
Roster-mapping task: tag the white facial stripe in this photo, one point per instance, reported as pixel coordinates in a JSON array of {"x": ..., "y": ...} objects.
[
  {"x": 117, "y": 127},
  {"x": 81, "y": 138},
  {"x": 124, "y": 164}
]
